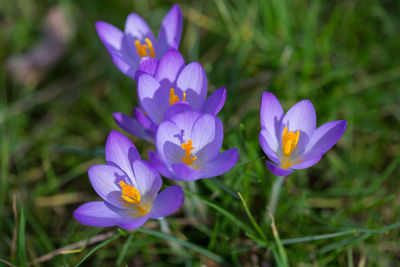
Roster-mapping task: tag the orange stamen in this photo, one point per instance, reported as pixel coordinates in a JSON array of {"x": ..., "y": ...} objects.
[
  {"x": 145, "y": 50},
  {"x": 173, "y": 98},
  {"x": 130, "y": 193},
  {"x": 188, "y": 158},
  {"x": 289, "y": 141}
]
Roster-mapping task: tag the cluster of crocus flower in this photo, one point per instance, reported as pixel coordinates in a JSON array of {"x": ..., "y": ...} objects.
[{"x": 175, "y": 114}]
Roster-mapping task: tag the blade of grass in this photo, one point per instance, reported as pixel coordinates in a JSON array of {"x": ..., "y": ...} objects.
[
  {"x": 214, "y": 234},
  {"x": 99, "y": 246},
  {"x": 224, "y": 212},
  {"x": 78, "y": 246},
  {"x": 183, "y": 243},
  {"x": 276, "y": 256},
  {"x": 343, "y": 243},
  {"x": 253, "y": 221},
  {"x": 124, "y": 249},
  {"x": 21, "y": 240},
  {"x": 221, "y": 185},
  {"x": 281, "y": 249}
]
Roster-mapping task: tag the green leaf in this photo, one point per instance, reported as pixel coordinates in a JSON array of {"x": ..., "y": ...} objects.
[
  {"x": 253, "y": 221},
  {"x": 21, "y": 240},
  {"x": 124, "y": 249},
  {"x": 99, "y": 246},
  {"x": 183, "y": 243},
  {"x": 224, "y": 212}
]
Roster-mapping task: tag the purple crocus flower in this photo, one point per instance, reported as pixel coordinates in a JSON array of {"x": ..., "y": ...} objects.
[
  {"x": 129, "y": 187},
  {"x": 292, "y": 140},
  {"x": 163, "y": 84},
  {"x": 187, "y": 145},
  {"x": 137, "y": 41}
]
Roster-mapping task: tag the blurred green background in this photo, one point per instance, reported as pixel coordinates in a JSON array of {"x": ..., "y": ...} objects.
[{"x": 55, "y": 117}]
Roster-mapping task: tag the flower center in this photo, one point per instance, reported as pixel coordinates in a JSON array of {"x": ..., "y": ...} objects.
[
  {"x": 173, "y": 98},
  {"x": 289, "y": 141},
  {"x": 188, "y": 158},
  {"x": 145, "y": 50},
  {"x": 143, "y": 209},
  {"x": 129, "y": 193}
]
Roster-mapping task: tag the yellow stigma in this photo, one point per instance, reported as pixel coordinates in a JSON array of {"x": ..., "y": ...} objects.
[
  {"x": 145, "y": 50},
  {"x": 289, "y": 141},
  {"x": 173, "y": 98},
  {"x": 188, "y": 159},
  {"x": 129, "y": 193}
]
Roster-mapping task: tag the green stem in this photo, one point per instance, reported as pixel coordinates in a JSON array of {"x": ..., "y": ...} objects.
[
  {"x": 199, "y": 211},
  {"x": 166, "y": 230},
  {"x": 275, "y": 192}
]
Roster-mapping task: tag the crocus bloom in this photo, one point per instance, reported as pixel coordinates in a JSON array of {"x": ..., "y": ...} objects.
[
  {"x": 137, "y": 41},
  {"x": 292, "y": 140},
  {"x": 129, "y": 187},
  {"x": 163, "y": 84},
  {"x": 187, "y": 145}
]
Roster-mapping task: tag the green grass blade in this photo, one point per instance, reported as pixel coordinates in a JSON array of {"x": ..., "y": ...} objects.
[
  {"x": 21, "y": 240},
  {"x": 314, "y": 237},
  {"x": 343, "y": 243},
  {"x": 124, "y": 249},
  {"x": 99, "y": 246},
  {"x": 281, "y": 249},
  {"x": 224, "y": 212},
  {"x": 183, "y": 243},
  {"x": 253, "y": 221}
]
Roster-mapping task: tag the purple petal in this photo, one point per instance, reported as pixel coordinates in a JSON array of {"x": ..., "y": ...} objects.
[
  {"x": 96, "y": 214},
  {"x": 277, "y": 170},
  {"x": 129, "y": 223},
  {"x": 121, "y": 152},
  {"x": 169, "y": 67},
  {"x": 215, "y": 102},
  {"x": 137, "y": 29},
  {"x": 265, "y": 139},
  {"x": 207, "y": 136},
  {"x": 326, "y": 136},
  {"x": 132, "y": 126},
  {"x": 175, "y": 109},
  {"x": 308, "y": 161},
  {"x": 101, "y": 214},
  {"x": 170, "y": 31},
  {"x": 167, "y": 202},
  {"x": 168, "y": 141},
  {"x": 146, "y": 65},
  {"x": 105, "y": 181},
  {"x": 183, "y": 172},
  {"x": 110, "y": 35},
  {"x": 123, "y": 53},
  {"x": 147, "y": 179},
  {"x": 159, "y": 164},
  {"x": 144, "y": 120},
  {"x": 185, "y": 121},
  {"x": 193, "y": 81},
  {"x": 222, "y": 163},
  {"x": 153, "y": 97},
  {"x": 271, "y": 114},
  {"x": 301, "y": 117},
  {"x": 123, "y": 66}
]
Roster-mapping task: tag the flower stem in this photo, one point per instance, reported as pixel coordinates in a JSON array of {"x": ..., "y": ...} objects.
[
  {"x": 275, "y": 192},
  {"x": 166, "y": 230},
  {"x": 199, "y": 210}
]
